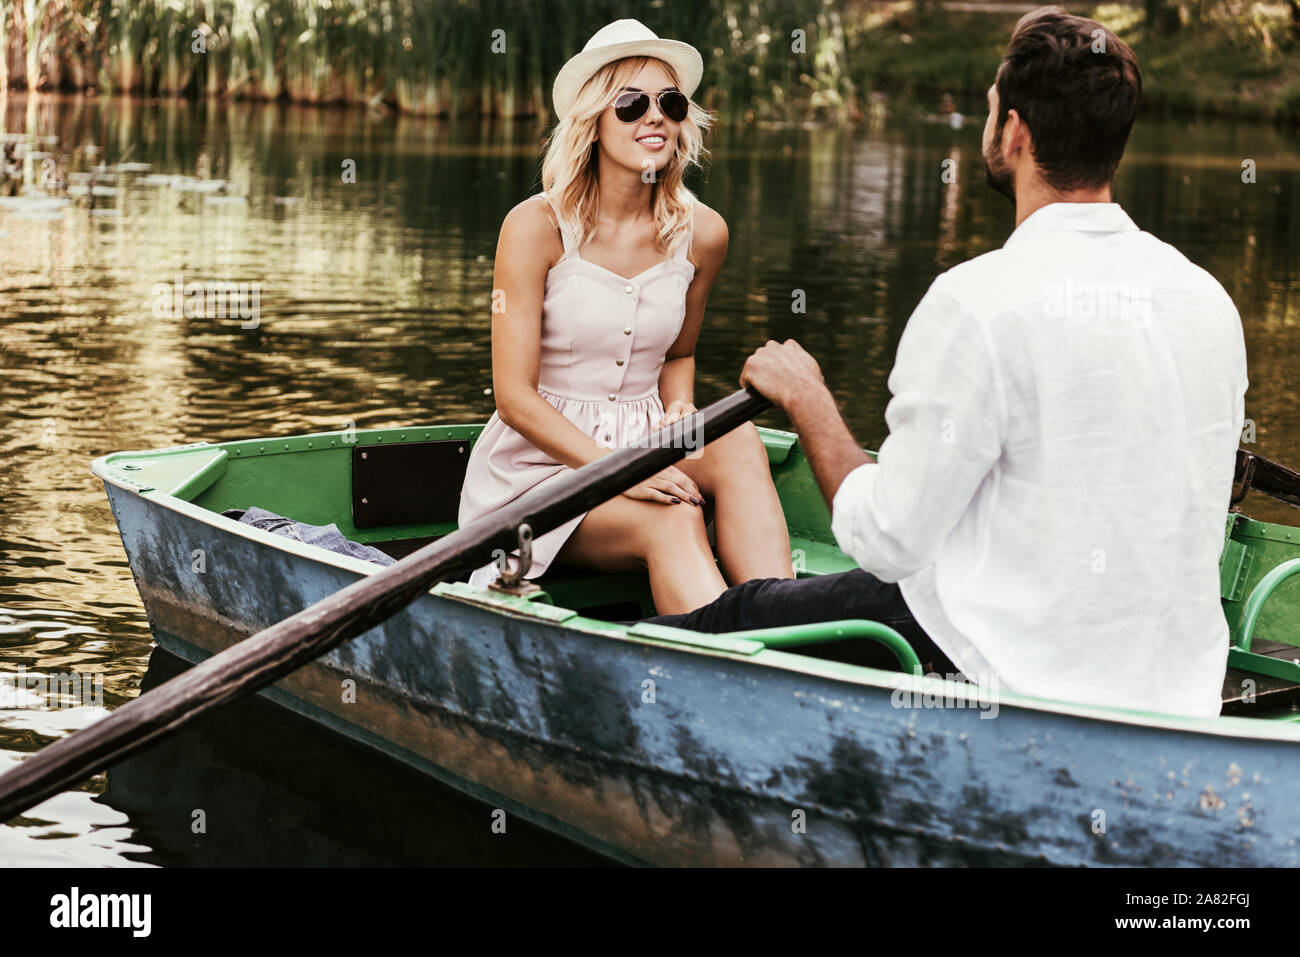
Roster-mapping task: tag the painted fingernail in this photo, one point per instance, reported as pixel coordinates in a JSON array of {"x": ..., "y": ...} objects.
[
  {"x": 677, "y": 501},
  {"x": 698, "y": 501}
]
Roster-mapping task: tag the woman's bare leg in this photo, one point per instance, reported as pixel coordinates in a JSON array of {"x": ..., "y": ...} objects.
[
  {"x": 670, "y": 541},
  {"x": 749, "y": 525}
]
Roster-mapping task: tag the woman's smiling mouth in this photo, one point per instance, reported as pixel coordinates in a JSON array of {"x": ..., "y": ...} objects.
[{"x": 652, "y": 141}]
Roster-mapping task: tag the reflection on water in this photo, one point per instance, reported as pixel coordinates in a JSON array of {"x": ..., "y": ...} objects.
[{"x": 374, "y": 310}]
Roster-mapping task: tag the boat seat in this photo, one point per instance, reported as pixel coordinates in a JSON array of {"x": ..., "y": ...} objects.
[{"x": 1246, "y": 692}]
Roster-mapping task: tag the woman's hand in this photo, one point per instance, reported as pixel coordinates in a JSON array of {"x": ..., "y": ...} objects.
[
  {"x": 675, "y": 411},
  {"x": 671, "y": 486}
]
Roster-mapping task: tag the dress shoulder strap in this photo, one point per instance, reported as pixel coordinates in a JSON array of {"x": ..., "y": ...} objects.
[{"x": 564, "y": 233}]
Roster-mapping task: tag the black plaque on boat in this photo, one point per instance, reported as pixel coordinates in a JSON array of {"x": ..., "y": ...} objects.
[{"x": 414, "y": 483}]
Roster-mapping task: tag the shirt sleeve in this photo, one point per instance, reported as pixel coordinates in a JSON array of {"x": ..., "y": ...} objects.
[
  {"x": 1243, "y": 378},
  {"x": 947, "y": 424}
]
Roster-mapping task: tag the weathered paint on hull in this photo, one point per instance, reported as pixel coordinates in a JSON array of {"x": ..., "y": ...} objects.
[{"x": 552, "y": 723}]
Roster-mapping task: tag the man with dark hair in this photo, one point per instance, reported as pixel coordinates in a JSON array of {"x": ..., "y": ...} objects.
[
  {"x": 1042, "y": 395},
  {"x": 1076, "y": 86}
]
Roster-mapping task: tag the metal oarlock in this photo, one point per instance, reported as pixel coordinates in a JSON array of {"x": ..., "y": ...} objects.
[
  {"x": 1242, "y": 480},
  {"x": 507, "y": 579}
]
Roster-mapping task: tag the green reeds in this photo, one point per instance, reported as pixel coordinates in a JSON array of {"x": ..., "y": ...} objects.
[{"x": 779, "y": 59}]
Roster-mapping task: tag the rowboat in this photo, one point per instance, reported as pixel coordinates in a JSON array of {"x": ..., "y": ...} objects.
[{"x": 655, "y": 745}]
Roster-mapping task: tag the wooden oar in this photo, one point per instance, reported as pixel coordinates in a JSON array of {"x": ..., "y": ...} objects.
[
  {"x": 276, "y": 651},
  {"x": 1264, "y": 475}
]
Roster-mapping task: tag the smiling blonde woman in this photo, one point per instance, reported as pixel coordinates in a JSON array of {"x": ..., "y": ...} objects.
[{"x": 604, "y": 278}]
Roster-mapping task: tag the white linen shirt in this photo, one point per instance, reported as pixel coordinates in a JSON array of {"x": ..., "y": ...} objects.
[{"x": 1053, "y": 491}]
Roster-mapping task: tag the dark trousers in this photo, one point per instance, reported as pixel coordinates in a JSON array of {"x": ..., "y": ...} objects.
[{"x": 771, "y": 602}]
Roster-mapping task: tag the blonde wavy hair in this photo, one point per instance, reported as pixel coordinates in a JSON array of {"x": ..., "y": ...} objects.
[{"x": 569, "y": 166}]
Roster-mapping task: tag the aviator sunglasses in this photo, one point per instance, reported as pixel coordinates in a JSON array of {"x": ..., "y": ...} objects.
[{"x": 633, "y": 104}]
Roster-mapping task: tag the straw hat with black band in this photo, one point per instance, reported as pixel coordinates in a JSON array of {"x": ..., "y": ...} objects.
[{"x": 615, "y": 41}]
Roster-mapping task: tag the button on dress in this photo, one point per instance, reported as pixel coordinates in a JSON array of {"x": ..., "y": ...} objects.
[{"x": 604, "y": 341}]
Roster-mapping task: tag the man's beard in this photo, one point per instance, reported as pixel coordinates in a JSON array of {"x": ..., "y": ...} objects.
[{"x": 999, "y": 175}]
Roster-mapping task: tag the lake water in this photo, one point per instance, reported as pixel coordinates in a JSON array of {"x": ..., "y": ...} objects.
[{"x": 374, "y": 310}]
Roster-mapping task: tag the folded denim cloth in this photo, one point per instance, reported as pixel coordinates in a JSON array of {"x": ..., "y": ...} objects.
[{"x": 326, "y": 536}]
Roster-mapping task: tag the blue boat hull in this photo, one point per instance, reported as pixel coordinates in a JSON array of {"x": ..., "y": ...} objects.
[{"x": 665, "y": 752}]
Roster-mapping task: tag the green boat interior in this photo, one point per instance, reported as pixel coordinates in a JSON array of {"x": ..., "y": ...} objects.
[{"x": 398, "y": 490}]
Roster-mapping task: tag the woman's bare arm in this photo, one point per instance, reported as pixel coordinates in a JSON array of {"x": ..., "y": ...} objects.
[
  {"x": 709, "y": 251},
  {"x": 526, "y": 249}
]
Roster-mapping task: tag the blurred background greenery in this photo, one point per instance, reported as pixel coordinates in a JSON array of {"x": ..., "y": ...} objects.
[{"x": 777, "y": 61}]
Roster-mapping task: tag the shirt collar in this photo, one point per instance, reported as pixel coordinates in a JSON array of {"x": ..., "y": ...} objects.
[{"x": 1075, "y": 217}]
